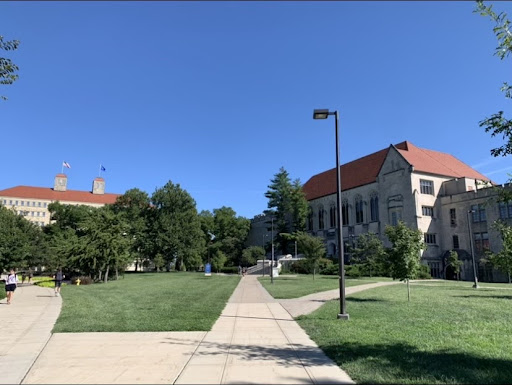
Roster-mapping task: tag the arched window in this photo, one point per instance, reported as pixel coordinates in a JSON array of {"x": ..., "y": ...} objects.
[
  {"x": 321, "y": 218},
  {"x": 344, "y": 212},
  {"x": 374, "y": 208},
  {"x": 332, "y": 216},
  {"x": 359, "y": 209},
  {"x": 310, "y": 219}
]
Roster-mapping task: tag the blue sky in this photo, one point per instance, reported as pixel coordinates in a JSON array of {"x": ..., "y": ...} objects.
[{"x": 217, "y": 96}]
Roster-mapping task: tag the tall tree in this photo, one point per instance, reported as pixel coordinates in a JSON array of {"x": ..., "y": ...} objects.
[
  {"x": 288, "y": 206},
  {"x": 251, "y": 255},
  {"x": 497, "y": 124},
  {"x": 8, "y": 70},
  {"x": 230, "y": 233},
  {"x": 404, "y": 255},
  {"x": 503, "y": 259},
  {"x": 454, "y": 262},
  {"x": 370, "y": 251},
  {"x": 133, "y": 205},
  {"x": 176, "y": 228},
  {"x": 312, "y": 247}
]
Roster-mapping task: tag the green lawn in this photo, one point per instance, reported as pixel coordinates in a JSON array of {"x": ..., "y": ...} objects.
[
  {"x": 146, "y": 302},
  {"x": 449, "y": 333},
  {"x": 289, "y": 286}
]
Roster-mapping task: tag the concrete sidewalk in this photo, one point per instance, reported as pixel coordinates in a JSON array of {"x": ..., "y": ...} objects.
[
  {"x": 26, "y": 328},
  {"x": 254, "y": 341}
]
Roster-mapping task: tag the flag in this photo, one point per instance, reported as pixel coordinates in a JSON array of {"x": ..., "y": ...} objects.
[
  {"x": 66, "y": 164},
  {"x": 102, "y": 168}
]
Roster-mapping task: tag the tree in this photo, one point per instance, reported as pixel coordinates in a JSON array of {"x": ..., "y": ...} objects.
[
  {"x": 218, "y": 260},
  {"x": 252, "y": 254},
  {"x": 288, "y": 205},
  {"x": 230, "y": 233},
  {"x": 175, "y": 227},
  {"x": 497, "y": 124},
  {"x": 454, "y": 262},
  {"x": 369, "y": 251},
  {"x": 133, "y": 205},
  {"x": 404, "y": 255},
  {"x": 503, "y": 259},
  {"x": 8, "y": 69},
  {"x": 312, "y": 247}
]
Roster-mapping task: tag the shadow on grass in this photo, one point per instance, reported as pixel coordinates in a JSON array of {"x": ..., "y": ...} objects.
[
  {"x": 393, "y": 363},
  {"x": 352, "y": 299},
  {"x": 484, "y": 296}
]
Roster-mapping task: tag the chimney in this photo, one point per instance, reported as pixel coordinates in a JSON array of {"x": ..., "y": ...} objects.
[
  {"x": 61, "y": 182},
  {"x": 98, "y": 186}
]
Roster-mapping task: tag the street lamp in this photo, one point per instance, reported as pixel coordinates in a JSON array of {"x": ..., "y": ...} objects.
[
  {"x": 324, "y": 114},
  {"x": 265, "y": 255},
  {"x": 475, "y": 285},
  {"x": 272, "y": 266}
]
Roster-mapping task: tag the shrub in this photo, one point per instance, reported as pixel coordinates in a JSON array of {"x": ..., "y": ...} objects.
[
  {"x": 229, "y": 270},
  {"x": 424, "y": 272},
  {"x": 353, "y": 271},
  {"x": 83, "y": 280},
  {"x": 330, "y": 269},
  {"x": 301, "y": 267}
]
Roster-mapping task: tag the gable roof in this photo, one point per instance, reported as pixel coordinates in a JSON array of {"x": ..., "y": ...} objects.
[
  {"x": 365, "y": 170},
  {"x": 46, "y": 193}
]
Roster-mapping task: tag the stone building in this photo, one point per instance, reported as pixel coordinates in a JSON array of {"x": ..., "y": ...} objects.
[
  {"x": 32, "y": 202},
  {"x": 428, "y": 190}
]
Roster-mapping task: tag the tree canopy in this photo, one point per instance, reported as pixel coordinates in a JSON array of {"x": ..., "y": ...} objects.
[{"x": 8, "y": 70}]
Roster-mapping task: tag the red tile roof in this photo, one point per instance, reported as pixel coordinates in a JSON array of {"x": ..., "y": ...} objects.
[
  {"x": 365, "y": 170},
  {"x": 29, "y": 192}
]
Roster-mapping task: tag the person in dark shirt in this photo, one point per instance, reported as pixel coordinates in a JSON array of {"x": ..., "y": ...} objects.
[{"x": 58, "y": 281}]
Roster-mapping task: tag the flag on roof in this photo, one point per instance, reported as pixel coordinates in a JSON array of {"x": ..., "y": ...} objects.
[
  {"x": 102, "y": 168},
  {"x": 66, "y": 164}
]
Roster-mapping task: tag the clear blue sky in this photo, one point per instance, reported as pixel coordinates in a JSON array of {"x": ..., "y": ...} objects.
[{"x": 217, "y": 96}]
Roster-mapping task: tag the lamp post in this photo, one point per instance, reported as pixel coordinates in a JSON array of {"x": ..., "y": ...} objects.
[
  {"x": 475, "y": 285},
  {"x": 324, "y": 114},
  {"x": 265, "y": 256},
  {"x": 272, "y": 266}
]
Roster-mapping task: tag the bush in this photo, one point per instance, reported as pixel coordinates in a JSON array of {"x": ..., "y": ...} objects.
[
  {"x": 330, "y": 269},
  {"x": 229, "y": 270},
  {"x": 83, "y": 280},
  {"x": 424, "y": 272},
  {"x": 301, "y": 267},
  {"x": 353, "y": 271}
]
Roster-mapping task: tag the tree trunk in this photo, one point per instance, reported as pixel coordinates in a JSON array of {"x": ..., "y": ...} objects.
[
  {"x": 408, "y": 292},
  {"x": 106, "y": 274},
  {"x": 99, "y": 275},
  {"x": 117, "y": 273},
  {"x": 509, "y": 278},
  {"x": 314, "y": 273},
  {"x": 136, "y": 265}
]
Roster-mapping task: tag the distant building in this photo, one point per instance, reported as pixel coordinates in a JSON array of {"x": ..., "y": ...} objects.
[
  {"x": 32, "y": 202},
  {"x": 428, "y": 190}
]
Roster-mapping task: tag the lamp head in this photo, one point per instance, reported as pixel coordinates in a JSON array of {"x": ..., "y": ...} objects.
[{"x": 321, "y": 114}]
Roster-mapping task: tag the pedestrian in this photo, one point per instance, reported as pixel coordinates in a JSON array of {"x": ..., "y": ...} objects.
[
  {"x": 30, "y": 275},
  {"x": 239, "y": 270},
  {"x": 10, "y": 285},
  {"x": 244, "y": 272},
  {"x": 23, "y": 277},
  {"x": 58, "y": 281}
]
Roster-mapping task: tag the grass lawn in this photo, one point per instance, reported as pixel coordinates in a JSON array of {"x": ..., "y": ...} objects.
[
  {"x": 289, "y": 286},
  {"x": 449, "y": 333},
  {"x": 146, "y": 302}
]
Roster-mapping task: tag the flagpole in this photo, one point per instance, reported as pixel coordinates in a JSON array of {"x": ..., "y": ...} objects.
[
  {"x": 62, "y": 168},
  {"x": 100, "y": 171}
]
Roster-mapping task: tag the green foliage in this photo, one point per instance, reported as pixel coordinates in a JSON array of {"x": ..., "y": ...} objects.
[
  {"x": 251, "y": 255},
  {"x": 404, "y": 255},
  {"x": 497, "y": 124},
  {"x": 219, "y": 259},
  {"x": 424, "y": 272},
  {"x": 312, "y": 247},
  {"x": 8, "y": 70},
  {"x": 84, "y": 280},
  {"x": 370, "y": 254},
  {"x": 353, "y": 271},
  {"x": 301, "y": 267},
  {"x": 159, "y": 261},
  {"x": 288, "y": 205},
  {"x": 229, "y": 270},
  {"x": 454, "y": 262},
  {"x": 503, "y": 259}
]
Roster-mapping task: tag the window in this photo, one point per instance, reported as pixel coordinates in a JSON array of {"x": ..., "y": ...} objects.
[
  {"x": 44, "y": 214},
  {"x": 23, "y": 203},
  {"x": 453, "y": 217},
  {"x": 38, "y": 213},
  {"x": 310, "y": 220},
  {"x": 44, "y": 205},
  {"x": 16, "y": 204},
  {"x": 395, "y": 216},
  {"x": 344, "y": 213},
  {"x": 435, "y": 269},
  {"x": 32, "y": 213},
  {"x": 426, "y": 187},
  {"x": 5, "y": 201},
  {"x": 10, "y": 201},
  {"x": 359, "y": 210},
  {"x": 478, "y": 213},
  {"x": 321, "y": 218},
  {"x": 427, "y": 211},
  {"x": 429, "y": 238},
  {"x": 455, "y": 241},
  {"x": 505, "y": 210},
  {"x": 332, "y": 216},
  {"x": 39, "y": 204},
  {"x": 374, "y": 208},
  {"x": 34, "y": 204},
  {"x": 481, "y": 242}
]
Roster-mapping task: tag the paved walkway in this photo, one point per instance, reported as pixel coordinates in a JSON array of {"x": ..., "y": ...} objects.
[
  {"x": 255, "y": 340},
  {"x": 26, "y": 328}
]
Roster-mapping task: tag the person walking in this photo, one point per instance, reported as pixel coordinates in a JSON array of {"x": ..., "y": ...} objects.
[
  {"x": 58, "y": 281},
  {"x": 10, "y": 285}
]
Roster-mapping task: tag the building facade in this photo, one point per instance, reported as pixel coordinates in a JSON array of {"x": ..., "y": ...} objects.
[
  {"x": 428, "y": 190},
  {"x": 32, "y": 202}
]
